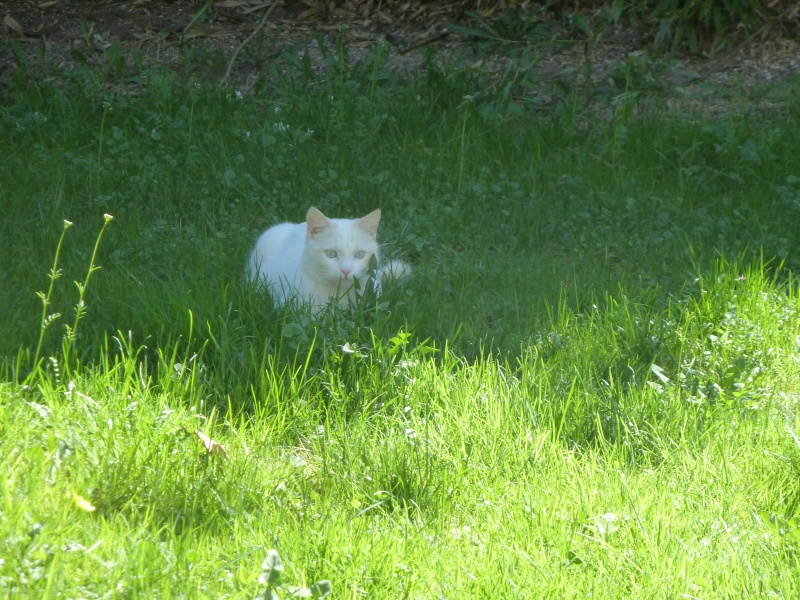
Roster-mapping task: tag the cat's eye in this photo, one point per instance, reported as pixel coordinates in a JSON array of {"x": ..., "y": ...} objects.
[
  {"x": 330, "y": 253},
  {"x": 360, "y": 254}
]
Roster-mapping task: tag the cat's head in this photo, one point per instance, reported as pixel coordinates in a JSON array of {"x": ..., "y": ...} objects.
[{"x": 341, "y": 249}]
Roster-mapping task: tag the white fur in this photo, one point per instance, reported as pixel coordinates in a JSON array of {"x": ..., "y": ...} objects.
[{"x": 320, "y": 259}]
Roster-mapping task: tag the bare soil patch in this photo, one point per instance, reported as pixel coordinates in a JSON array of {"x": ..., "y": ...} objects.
[{"x": 163, "y": 32}]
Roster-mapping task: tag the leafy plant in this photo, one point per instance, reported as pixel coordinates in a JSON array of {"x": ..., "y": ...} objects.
[
  {"x": 271, "y": 578},
  {"x": 68, "y": 343},
  {"x": 511, "y": 30},
  {"x": 695, "y": 21},
  {"x": 783, "y": 529}
]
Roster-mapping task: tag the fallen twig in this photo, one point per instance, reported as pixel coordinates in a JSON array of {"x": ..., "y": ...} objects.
[
  {"x": 246, "y": 40},
  {"x": 425, "y": 41}
]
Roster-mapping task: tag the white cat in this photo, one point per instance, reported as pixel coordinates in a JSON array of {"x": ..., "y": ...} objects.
[{"x": 320, "y": 259}]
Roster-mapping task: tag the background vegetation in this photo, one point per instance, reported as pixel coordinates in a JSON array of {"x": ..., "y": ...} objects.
[{"x": 699, "y": 25}]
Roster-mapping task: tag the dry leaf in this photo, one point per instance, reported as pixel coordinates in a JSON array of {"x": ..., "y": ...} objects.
[
  {"x": 247, "y": 11},
  {"x": 13, "y": 24},
  {"x": 238, "y": 3},
  {"x": 49, "y": 4},
  {"x": 210, "y": 445},
  {"x": 418, "y": 12},
  {"x": 83, "y": 503},
  {"x": 198, "y": 32},
  {"x": 310, "y": 12}
]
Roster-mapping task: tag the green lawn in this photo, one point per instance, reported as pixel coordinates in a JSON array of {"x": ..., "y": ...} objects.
[{"x": 587, "y": 388}]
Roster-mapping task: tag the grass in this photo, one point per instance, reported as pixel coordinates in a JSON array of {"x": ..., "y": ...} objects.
[{"x": 587, "y": 388}]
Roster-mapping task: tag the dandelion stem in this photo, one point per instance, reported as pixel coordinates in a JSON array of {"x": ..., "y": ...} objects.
[
  {"x": 80, "y": 307},
  {"x": 47, "y": 319}
]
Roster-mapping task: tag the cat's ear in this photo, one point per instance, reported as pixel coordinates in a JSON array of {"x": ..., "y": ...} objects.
[
  {"x": 370, "y": 222},
  {"x": 316, "y": 221}
]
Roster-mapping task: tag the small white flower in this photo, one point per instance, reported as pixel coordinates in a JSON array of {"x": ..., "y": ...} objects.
[
  {"x": 239, "y": 95},
  {"x": 276, "y": 110},
  {"x": 247, "y": 134},
  {"x": 281, "y": 126}
]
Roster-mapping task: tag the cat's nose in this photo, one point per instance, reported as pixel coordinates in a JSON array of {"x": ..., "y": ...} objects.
[{"x": 346, "y": 272}]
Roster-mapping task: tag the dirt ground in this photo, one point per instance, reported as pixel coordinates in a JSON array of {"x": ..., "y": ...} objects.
[{"x": 161, "y": 31}]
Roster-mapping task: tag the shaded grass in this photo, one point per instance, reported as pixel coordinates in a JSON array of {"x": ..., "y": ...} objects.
[{"x": 501, "y": 215}]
